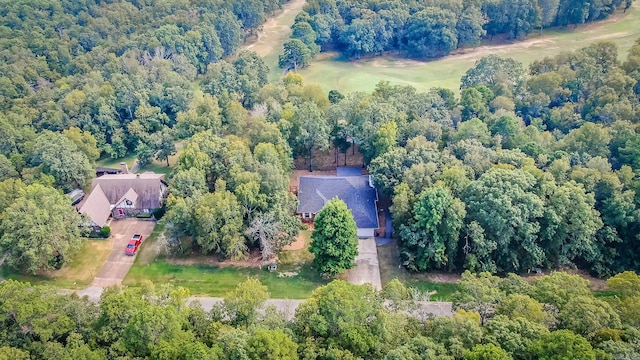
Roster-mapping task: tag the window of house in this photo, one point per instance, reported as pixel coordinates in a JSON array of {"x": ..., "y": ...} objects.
[
  {"x": 306, "y": 215},
  {"x": 128, "y": 202}
]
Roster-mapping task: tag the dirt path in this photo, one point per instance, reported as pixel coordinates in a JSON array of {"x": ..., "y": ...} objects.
[{"x": 276, "y": 30}]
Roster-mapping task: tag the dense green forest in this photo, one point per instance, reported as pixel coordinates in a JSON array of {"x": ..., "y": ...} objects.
[
  {"x": 426, "y": 29},
  {"x": 552, "y": 317},
  {"x": 527, "y": 168}
]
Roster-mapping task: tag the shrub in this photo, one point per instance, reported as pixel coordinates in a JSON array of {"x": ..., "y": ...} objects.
[
  {"x": 144, "y": 216},
  {"x": 159, "y": 213},
  {"x": 105, "y": 232}
]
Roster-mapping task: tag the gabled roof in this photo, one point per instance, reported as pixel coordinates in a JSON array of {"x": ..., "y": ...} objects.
[
  {"x": 148, "y": 187},
  {"x": 356, "y": 191},
  {"x": 96, "y": 206},
  {"x": 130, "y": 195}
]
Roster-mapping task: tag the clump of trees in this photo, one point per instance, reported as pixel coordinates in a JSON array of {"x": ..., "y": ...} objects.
[
  {"x": 226, "y": 197},
  {"x": 39, "y": 229},
  {"x": 425, "y": 29},
  {"x": 554, "y": 316},
  {"x": 525, "y": 170}
]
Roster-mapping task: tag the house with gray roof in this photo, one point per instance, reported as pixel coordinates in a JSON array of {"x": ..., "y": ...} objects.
[
  {"x": 356, "y": 190},
  {"x": 120, "y": 195}
]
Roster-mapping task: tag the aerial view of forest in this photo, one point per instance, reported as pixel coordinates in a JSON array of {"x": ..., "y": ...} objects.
[{"x": 319, "y": 179}]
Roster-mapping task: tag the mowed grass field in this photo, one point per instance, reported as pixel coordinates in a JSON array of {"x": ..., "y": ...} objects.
[
  {"x": 295, "y": 277},
  {"x": 331, "y": 72},
  {"x": 77, "y": 273},
  {"x": 276, "y": 31}
]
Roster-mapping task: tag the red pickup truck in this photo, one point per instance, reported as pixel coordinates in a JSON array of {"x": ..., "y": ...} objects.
[{"x": 133, "y": 245}]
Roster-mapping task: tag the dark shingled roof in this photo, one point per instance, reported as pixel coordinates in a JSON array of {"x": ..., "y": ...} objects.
[
  {"x": 148, "y": 187},
  {"x": 355, "y": 191}
]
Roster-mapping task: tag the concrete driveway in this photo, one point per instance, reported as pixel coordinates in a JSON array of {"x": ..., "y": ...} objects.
[
  {"x": 118, "y": 264},
  {"x": 367, "y": 269}
]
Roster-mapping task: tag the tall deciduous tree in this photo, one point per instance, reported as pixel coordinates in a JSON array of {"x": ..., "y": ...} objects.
[
  {"x": 62, "y": 159},
  {"x": 334, "y": 243},
  {"x": 504, "y": 205},
  {"x": 343, "y": 314},
  {"x": 219, "y": 223},
  {"x": 431, "y": 241},
  {"x": 562, "y": 344},
  {"x": 296, "y": 55},
  {"x": 242, "y": 304},
  {"x": 314, "y": 130},
  {"x": 39, "y": 230}
]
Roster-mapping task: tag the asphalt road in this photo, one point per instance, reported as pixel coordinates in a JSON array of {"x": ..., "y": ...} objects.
[{"x": 421, "y": 310}]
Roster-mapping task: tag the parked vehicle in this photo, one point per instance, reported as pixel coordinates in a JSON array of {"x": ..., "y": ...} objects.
[{"x": 133, "y": 245}]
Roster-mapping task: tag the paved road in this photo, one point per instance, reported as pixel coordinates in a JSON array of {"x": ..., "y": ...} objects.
[
  {"x": 285, "y": 306},
  {"x": 118, "y": 264},
  {"x": 367, "y": 269}
]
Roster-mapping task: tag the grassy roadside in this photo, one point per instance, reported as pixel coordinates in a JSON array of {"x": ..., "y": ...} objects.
[
  {"x": 77, "y": 273},
  {"x": 217, "y": 282},
  {"x": 294, "y": 279}
]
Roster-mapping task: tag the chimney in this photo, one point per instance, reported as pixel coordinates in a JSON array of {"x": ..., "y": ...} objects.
[{"x": 124, "y": 169}]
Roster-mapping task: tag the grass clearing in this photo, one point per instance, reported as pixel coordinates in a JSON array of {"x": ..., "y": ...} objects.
[
  {"x": 298, "y": 257},
  {"x": 77, "y": 273},
  {"x": 275, "y": 32},
  {"x": 115, "y": 163},
  {"x": 151, "y": 247},
  {"x": 444, "y": 285},
  {"x": 160, "y": 167},
  {"x": 330, "y": 72},
  {"x": 215, "y": 281}
]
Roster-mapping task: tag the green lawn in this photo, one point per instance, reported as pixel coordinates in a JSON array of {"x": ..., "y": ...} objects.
[
  {"x": 150, "y": 248},
  {"x": 213, "y": 281},
  {"x": 331, "y": 72},
  {"x": 115, "y": 163},
  {"x": 77, "y": 273}
]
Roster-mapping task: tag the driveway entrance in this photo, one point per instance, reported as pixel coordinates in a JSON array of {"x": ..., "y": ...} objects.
[
  {"x": 367, "y": 269},
  {"x": 118, "y": 264}
]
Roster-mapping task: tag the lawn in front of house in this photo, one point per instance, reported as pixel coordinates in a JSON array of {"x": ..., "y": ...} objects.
[
  {"x": 152, "y": 246},
  {"x": 294, "y": 279},
  {"x": 76, "y": 273},
  {"x": 218, "y": 281}
]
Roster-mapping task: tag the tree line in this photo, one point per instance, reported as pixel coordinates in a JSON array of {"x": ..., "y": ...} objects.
[
  {"x": 548, "y": 317},
  {"x": 426, "y": 29}
]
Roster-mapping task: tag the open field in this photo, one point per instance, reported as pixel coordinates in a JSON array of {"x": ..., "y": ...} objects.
[
  {"x": 77, "y": 273},
  {"x": 331, "y": 72},
  {"x": 275, "y": 32}
]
